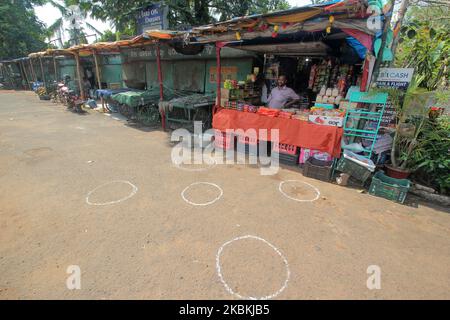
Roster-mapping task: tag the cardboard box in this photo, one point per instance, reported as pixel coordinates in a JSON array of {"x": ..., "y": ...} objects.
[
  {"x": 224, "y": 102},
  {"x": 326, "y": 121},
  {"x": 225, "y": 93}
]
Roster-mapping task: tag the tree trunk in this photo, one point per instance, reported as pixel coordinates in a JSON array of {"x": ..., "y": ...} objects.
[{"x": 401, "y": 15}]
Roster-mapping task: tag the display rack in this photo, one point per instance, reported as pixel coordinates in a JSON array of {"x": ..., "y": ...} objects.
[{"x": 369, "y": 112}]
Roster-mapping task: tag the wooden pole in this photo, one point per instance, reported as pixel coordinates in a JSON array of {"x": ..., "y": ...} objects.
[
  {"x": 10, "y": 77},
  {"x": 25, "y": 72},
  {"x": 219, "y": 46},
  {"x": 33, "y": 74},
  {"x": 2, "y": 72},
  {"x": 22, "y": 74},
  {"x": 97, "y": 74},
  {"x": 55, "y": 69},
  {"x": 398, "y": 26},
  {"x": 97, "y": 71},
  {"x": 42, "y": 72},
  {"x": 161, "y": 87},
  {"x": 80, "y": 83}
]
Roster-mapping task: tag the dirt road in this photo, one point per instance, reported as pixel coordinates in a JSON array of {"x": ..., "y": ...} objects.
[{"x": 90, "y": 191}]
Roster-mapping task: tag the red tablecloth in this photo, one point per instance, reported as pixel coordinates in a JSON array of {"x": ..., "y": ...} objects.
[{"x": 291, "y": 131}]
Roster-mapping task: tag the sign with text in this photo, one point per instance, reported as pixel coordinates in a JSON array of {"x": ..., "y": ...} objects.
[
  {"x": 152, "y": 17},
  {"x": 397, "y": 78},
  {"x": 396, "y": 74}
]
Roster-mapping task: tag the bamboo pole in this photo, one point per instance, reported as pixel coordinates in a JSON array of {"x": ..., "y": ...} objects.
[{"x": 80, "y": 83}]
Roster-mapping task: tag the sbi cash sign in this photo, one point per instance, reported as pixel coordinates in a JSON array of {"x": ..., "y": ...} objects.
[{"x": 395, "y": 74}]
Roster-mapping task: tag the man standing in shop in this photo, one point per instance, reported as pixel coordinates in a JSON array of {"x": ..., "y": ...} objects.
[{"x": 282, "y": 96}]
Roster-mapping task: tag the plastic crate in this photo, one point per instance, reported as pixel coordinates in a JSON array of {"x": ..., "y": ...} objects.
[
  {"x": 287, "y": 159},
  {"x": 223, "y": 140},
  {"x": 314, "y": 171},
  {"x": 389, "y": 188},
  {"x": 285, "y": 148},
  {"x": 352, "y": 168}
]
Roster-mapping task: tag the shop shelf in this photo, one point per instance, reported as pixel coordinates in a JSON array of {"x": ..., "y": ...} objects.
[
  {"x": 389, "y": 188},
  {"x": 354, "y": 119}
]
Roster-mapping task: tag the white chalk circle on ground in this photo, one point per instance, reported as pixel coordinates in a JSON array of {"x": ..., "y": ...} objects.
[
  {"x": 228, "y": 288},
  {"x": 202, "y": 183},
  {"x": 280, "y": 188},
  {"x": 132, "y": 193}
]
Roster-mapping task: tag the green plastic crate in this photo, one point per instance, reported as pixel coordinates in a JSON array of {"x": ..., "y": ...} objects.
[
  {"x": 355, "y": 170},
  {"x": 389, "y": 188}
]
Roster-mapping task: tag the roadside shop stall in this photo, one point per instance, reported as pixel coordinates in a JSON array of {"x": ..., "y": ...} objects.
[
  {"x": 12, "y": 74},
  {"x": 326, "y": 54},
  {"x": 187, "y": 76}
]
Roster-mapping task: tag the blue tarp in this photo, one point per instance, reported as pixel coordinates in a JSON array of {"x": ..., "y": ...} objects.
[
  {"x": 107, "y": 93},
  {"x": 359, "y": 48}
]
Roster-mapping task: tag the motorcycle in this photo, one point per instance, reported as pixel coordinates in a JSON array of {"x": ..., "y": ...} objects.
[
  {"x": 53, "y": 92},
  {"x": 74, "y": 102}
]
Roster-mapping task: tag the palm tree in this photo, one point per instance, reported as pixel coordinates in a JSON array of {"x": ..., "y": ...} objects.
[{"x": 74, "y": 19}]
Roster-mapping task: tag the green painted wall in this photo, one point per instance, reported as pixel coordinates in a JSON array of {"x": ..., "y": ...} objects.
[
  {"x": 184, "y": 72},
  {"x": 236, "y": 69},
  {"x": 67, "y": 66},
  {"x": 111, "y": 69}
]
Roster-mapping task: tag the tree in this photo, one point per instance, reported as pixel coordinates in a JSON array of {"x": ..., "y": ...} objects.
[
  {"x": 181, "y": 12},
  {"x": 73, "y": 15},
  {"x": 20, "y": 31},
  {"x": 107, "y": 36},
  {"x": 425, "y": 45}
]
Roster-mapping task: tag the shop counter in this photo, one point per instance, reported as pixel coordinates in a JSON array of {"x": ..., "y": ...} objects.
[{"x": 291, "y": 131}]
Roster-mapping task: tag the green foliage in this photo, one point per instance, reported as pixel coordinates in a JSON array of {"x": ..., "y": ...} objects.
[
  {"x": 411, "y": 108},
  {"x": 20, "y": 31},
  {"x": 425, "y": 45},
  {"x": 431, "y": 157},
  {"x": 107, "y": 36},
  {"x": 181, "y": 12}
]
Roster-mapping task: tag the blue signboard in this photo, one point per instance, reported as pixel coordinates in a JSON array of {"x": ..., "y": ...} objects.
[{"x": 152, "y": 17}]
